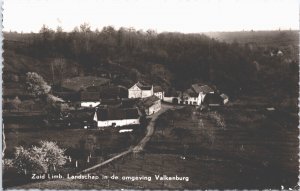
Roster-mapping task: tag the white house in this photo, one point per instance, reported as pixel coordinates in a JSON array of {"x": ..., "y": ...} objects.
[
  {"x": 225, "y": 98},
  {"x": 140, "y": 90},
  {"x": 190, "y": 97},
  {"x": 151, "y": 104},
  {"x": 116, "y": 117},
  {"x": 201, "y": 90},
  {"x": 159, "y": 92}
]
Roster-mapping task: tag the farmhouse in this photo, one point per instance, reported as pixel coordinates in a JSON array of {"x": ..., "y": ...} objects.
[
  {"x": 151, "y": 105},
  {"x": 140, "y": 90},
  {"x": 195, "y": 95},
  {"x": 190, "y": 97},
  {"x": 159, "y": 92},
  {"x": 114, "y": 117},
  {"x": 95, "y": 95}
]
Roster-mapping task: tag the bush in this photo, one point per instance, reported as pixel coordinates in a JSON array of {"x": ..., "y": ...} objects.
[{"x": 36, "y": 84}]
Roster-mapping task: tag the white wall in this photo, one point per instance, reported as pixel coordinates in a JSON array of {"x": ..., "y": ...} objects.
[
  {"x": 147, "y": 93},
  {"x": 122, "y": 122},
  {"x": 89, "y": 103},
  {"x": 154, "y": 108},
  {"x": 160, "y": 95},
  {"x": 169, "y": 99},
  {"x": 136, "y": 92}
]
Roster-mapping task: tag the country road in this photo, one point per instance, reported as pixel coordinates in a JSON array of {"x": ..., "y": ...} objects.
[{"x": 150, "y": 127}]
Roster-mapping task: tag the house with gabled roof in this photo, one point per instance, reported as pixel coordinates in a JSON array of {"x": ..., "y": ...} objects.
[
  {"x": 140, "y": 90},
  {"x": 151, "y": 104},
  {"x": 196, "y": 94},
  {"x": 116, "y": 117}
]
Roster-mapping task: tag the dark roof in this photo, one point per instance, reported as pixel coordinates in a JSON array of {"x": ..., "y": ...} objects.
[
  {"x": 89, "y": 96},
  {"x": 213, "y": 99},
  {"x": 110, "y": 102},
  {"x": 202, "y": 88},
  {"x": 143, "y": 87},
  {"x": 104, "y": 114},
  {"x": 191, "y": 93},
  {"x": 129, "y": 103},
  {"x": 149, "y": 101},
  {"x": 172, "y": 94},
  {"x": 157, "y": 89}
]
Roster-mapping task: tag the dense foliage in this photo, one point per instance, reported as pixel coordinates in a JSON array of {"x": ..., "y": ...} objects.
[{"x": 171, "y": 59}]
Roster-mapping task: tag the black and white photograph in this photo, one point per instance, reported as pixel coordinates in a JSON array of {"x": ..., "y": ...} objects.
[{"x": 150, "y": 94}]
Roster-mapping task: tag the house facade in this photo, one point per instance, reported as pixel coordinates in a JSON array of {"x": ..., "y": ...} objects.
[
  {"x": 159, "y": 92},
  {"x": 140, "y": 90},
  {"x": 116, "y": 117},
  {"x": 151, "y": 104}
]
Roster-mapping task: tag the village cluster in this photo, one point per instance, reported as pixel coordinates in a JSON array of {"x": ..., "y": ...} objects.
[{"x": 117, "y": 106}]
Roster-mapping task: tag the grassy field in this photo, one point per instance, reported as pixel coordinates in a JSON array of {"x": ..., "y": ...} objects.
[{"x": 77, "y": 83}]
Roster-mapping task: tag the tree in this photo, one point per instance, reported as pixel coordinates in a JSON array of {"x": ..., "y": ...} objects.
[
  {"x": 36, "y": 84},
  {"x": 51, "y": 154},
  {"x": 28, "y": 162},
  {"x": 39, "y": 159}
]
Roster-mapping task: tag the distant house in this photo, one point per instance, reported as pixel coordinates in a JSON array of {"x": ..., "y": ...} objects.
[
  {"x": 95, "y": 95},
  {"x": 225, "y": 98},
  {"x": 159, "y": 92},
  {"x": 151, "y": 104},
  {"x": 195, "y": 95},
  {"x": 190, "y": 97},
  {"x": 115, "y": 117},
  {"x": 140, "y": 90}
]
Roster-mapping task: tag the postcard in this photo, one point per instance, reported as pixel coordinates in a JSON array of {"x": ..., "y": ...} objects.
[{"x": 156, "y": 95}]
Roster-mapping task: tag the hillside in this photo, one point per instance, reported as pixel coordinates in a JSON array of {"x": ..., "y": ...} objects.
[{"x": 238, "y": 62}]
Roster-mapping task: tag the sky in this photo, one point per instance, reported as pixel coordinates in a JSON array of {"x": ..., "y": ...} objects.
[{"x": 187, "y": 16}]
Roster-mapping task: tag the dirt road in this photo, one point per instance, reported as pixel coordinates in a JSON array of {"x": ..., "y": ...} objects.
[{"x": 150, "y": 127}]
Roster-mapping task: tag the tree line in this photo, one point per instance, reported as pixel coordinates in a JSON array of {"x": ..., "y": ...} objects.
[{"x": 184, "y": 58}]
